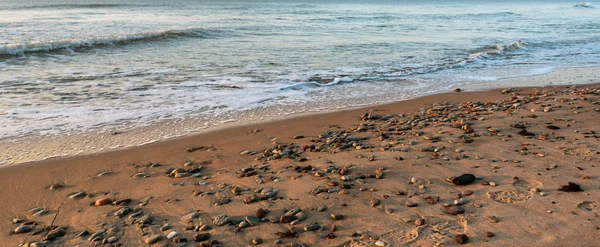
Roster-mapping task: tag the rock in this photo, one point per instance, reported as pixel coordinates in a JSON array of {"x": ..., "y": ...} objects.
[
  {"x": 461, "y": 201},
  {"x": 221, "y": 220},
  {"x": 257, "y": 241},
  {"x": 464, "y": 179},
  {"x": 410, "y": 204},
  {"x": 201, "y": 237},
  {"x": 102, "y": 202},
  {"x": 380, "y": 243},
  {"x": 287, "y": 218},
  {"x": 260, "y": 213},
  {"x": 78, "y": 195},
  {"x": 493, "y": 219},
  {"x": 121, "y": 202},
  {"x": 243, "y": 224},
  {"x": 172, "y": 234},
  {"x": 189, "y": 217},
  {"x": 112, "y": 240},
  {"x": 489, "y": 234},
  {"x": 322, "y": 208},
  {"x": 313, "y": 227},
  {"x": 374, "y": 202},
  {"x": 56, "y": 233},
  {"x": 165, "y": 227},
  {"x": 419, "y": 222},
  {"x": 23, "y": 229},
  {"x": 455, "y": 210},
  {"x": 461, "y": 238},
  {"x": 39, "y": 244},
  {"x": 336, "y": 216},
  {"x": 252, "y": 220},
  {"x": 301, "y": 216}
]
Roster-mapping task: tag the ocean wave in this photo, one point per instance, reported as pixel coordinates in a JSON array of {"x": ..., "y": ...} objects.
[
  {"x": 584, "y": 5},
  {"x": 79, "y": 6},
  {"x": 74, "y": 44},
  {"x": 482, "y": 53}
]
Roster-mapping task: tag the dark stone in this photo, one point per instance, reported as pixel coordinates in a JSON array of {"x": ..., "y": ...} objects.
[
  {"x": 455, "y": 210},
  {"x": 287, "y": 218},
  {"x": 464, "y": 179},
  {"x": 201, "y": 237},
  {"x": 260, "y": 213},
  {"x": 461, "y": 238}
]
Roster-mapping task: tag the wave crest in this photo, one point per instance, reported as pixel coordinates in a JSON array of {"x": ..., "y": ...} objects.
[{"x": 74, "y": 44}]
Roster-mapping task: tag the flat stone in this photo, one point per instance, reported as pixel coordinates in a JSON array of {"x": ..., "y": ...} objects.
[
  {"x": 221, "y": 220},
  {"x": 301, "y": 216},
  {"x": 172, "y": 235},
  {"x": 287, "y": 218},
  {"x": 102, "y": 202},
  {"x": 153, "y": 239},
  {"x": 252, "y": 220},
  {"x": 313, "y": 227},
  {"x": 411, "y": 204},
  {"x": 257, "y": 241},
  {"x": 380, "y": 243},
  {"x": 189, "y": 217},
  {"x": 201, "y": 237},
  {"x": 455, "y": 210},
  {"x": 78, "y": 195},
  {"x": 23, "y": 229}
]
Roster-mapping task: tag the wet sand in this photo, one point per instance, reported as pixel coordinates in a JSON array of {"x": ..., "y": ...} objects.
[{"x": 388, "y": 175}]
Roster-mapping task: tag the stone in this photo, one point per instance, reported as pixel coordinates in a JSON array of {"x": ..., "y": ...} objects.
[
  {"x": 322, "y": 208},
  {"x": 301, "y": 216},
  {"x": 256, "y": 241},
  {"x": 201, "y": 237},
  {"x": 287, "y": 218},
  {"x": 464, "y": 179},
  {"x": 172, "y": 235},
  {"x": 102, "y": 202},
  {"x": 461, "y": 238},
  {"x": 313, "y": 227},
  {"x": 252, "y": 220},
  {"x": 112, "y": 239},
  {"x": 380, "y": 243},
  {"x": 189, "y": 217},
  {"x": 153, "y": 239},
  {"x": 260, "y": 213},
  {"x": 419, "y": 222},
  {"x": 244, "y": 224},
  {"x": 374, "y": 202},
  {"x": 221, "y": 220},
  {"x": 461, "y": 201},
  {"x": 489, "y": 234},
  {"x": 410, "y": 204},
  {"x": 455, "y": 210},
  {"x": 336, "y": 216},
  {"x": 23, "y": 229},
  {"x": 78, "y": 195}
]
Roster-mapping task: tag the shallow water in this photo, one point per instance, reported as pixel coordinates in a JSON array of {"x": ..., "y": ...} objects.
[{"x": 71, "y": 66}]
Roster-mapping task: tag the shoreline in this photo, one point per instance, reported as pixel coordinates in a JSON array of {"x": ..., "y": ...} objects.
[
  {"x": 41, "y": 148},
  {"x": 515, "y": 187}
]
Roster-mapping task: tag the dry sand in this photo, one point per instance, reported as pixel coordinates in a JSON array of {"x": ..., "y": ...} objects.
[{"x": 365, "y": 171}]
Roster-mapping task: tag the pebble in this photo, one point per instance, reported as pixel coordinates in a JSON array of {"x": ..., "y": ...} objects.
[
  {"x": 172, "y": 234},
  {"x": 23, "y": 229},
  {"x": 243, "y": 224},
  {"x": 493, "y": 219},
  {"x": 260, "y": 213},
  {"x": 301, "y": 216},
  {"x": 461, "y": 201},
  {"x": 380, "y": 243},
  {"x": 374, "y": 202},
  {"x": 201, "y": 237},
  {"x": 336, "y": 216},
  {"x": 257, "y": 241},
  {"x": 252, "y": 220},
  {"x": 313, "y": 227},
  {"x": 419, "y": 222},
  {"x": 287, "y": 218},
  {"x": 189, "y": 217},
  {"x": 455, "y": 210},
  {"x": 221, "y": 220},
  {"x": 461, "y": 238},
  {"x": 410, "y": 204},
  {"x": 153, "y": 239},
  {"x": 493, "y": 184},
  {"x": 489, "y": 234},
  {"x": 464, "y": 179},
  {"x": 322, "y": 208},
  {"x": 78, "y": 195},
  {"x": 102, "y": 202}
]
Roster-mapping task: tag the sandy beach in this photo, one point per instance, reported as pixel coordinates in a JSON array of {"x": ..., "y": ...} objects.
[{"x": 495, "y": 168}]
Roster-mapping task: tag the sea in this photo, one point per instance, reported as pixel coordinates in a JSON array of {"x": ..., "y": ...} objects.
[{"x": 69, "y": 67}]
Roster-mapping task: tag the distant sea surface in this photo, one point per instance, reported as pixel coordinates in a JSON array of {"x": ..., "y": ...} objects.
[{"x": 68, "y": 67}]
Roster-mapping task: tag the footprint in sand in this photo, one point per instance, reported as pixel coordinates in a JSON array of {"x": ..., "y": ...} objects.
[{"x": 522, "y": 192}]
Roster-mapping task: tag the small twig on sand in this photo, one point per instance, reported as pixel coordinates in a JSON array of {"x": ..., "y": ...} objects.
[{"x": 57, "y": 211}]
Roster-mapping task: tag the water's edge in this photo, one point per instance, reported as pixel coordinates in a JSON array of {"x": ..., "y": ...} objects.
[{"x": 36, "y": 148}]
